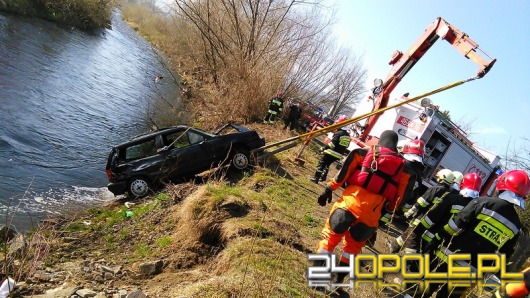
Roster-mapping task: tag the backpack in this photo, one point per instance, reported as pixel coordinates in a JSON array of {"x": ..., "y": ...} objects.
[{"x": 380, "y": 171}]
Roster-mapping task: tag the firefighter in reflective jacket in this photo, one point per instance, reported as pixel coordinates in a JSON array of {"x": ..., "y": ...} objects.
[
  {"x": 432, "y": 196},
  {"x": 332, "y": 152},
  {"x": 516, "y": 289},
  {"x": 440, "y": 214},
  {"x": 355, "y": 216},
  {"x": 486, "y": 225},
  {"x": 275, "y": 108}
]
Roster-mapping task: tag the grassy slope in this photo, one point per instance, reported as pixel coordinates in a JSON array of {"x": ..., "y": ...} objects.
[{"x": 246, "y": 235}]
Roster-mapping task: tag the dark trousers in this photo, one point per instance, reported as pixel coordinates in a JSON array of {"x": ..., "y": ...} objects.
[
  {"x": 269, "y": 118},
  {"x": 291, "y": 122},
  {"x": 323, "y": 167}
]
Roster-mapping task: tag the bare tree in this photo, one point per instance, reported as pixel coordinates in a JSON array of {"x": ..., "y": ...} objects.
[
  {"x": 518, "y": 157},
  {"x": 466, "y": 125},
  {"x": 253, "y": 48}
]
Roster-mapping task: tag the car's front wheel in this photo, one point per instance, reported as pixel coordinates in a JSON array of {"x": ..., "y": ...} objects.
[
  {"x": 240, "y": 159},
  {"x": 138, "y": 187}
]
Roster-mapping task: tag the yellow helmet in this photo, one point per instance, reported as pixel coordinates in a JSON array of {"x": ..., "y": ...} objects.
[
  {"x": 458, "y": 177},
  {"x": 445, "y": 175}
]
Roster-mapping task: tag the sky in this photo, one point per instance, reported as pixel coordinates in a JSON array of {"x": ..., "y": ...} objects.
[{"x": 496, "y": 106}]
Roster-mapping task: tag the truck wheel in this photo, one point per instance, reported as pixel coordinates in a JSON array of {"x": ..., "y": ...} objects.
[
  {"x": 240, "y": 159},
  {"x": 138, "y": 187}
]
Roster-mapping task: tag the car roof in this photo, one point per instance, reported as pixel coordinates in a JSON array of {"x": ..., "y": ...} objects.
[{"x": 149, "y": 135}]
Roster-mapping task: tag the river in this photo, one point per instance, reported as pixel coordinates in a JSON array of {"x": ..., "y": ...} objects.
[{"x": 66, "y": 97}]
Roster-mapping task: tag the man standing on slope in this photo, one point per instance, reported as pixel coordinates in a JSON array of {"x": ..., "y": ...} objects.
[
  {"x": 355, "y": 216},
  {"x": 413, "y": 153},
  {"x": 292, "y": 118},
  {"x": 332, "y": 152},
  {"x": 432, "y": 196},
  {"x": 275, "y": 108}
]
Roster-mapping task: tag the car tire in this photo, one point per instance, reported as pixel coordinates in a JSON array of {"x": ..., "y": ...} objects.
[
  {"x": 138, "y": 187},
  {"x": 240, "y": 159}
]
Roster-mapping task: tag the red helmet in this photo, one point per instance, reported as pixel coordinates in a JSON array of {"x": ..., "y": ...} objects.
[
  {"x": 471, "y": 181},
  {"x": 516, "y": 181},
  {"x": 414, "y": 147},
  {"x": 341, "y": 118}
]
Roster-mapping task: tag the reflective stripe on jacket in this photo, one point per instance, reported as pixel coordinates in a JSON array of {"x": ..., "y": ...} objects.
[
  {"x": 485, "y": 225},
  {"x": 338, "y": 145}
]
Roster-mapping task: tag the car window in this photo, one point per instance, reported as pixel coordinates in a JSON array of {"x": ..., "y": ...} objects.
[
  {"x": 195, "y": 137},
  {"x": 178, "y": 139},
  {"x": 141, "y": 150}
]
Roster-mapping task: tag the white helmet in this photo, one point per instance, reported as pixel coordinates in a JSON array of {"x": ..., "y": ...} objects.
[{"x": 445, "y": 175}]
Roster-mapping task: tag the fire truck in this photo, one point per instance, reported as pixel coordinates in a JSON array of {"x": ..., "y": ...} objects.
[{"x": 447, "y": 146}]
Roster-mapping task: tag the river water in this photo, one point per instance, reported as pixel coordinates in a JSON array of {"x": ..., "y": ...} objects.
[{"x": 65, "y": 98}]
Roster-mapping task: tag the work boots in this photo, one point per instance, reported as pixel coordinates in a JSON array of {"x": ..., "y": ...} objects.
[
  {"x": 315, "y": 179},
  {"x": 371, "y": 241},
  {"x": 342, "y": 275},
  {"x": 318, "y": 263}
]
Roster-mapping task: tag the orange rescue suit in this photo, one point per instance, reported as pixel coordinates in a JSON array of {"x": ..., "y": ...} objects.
[{"x": 364, "y": 206}]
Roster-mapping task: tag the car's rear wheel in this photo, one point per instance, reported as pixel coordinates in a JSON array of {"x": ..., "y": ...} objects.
[
  {"x": 138, "y": 187},
  {"x": 240, "y": 159}
]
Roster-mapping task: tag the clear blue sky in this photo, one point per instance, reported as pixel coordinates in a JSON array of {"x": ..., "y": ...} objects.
[{"x": 498, "y": 105}]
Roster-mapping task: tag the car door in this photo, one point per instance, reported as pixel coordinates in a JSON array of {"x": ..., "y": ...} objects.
[
  {"x": 141, "y": 158},
  {"x": 185, "y": 156}
]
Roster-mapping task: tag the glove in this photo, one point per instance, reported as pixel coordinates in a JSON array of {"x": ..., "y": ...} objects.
[
  {"x": 411, "y": 213},
  {"x": 431, "y": 246},
  {"x": 501, "y": 294},
  {"x": 325, "y": 197}
]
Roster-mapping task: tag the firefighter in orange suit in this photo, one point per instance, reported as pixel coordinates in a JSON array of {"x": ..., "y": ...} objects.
[{"x": 355, "y": 216}]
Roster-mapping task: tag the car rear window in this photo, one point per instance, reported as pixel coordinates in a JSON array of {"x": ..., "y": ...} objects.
[{"x": 141, "y": 150}]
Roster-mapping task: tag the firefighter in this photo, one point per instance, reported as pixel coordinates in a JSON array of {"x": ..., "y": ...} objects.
[
  {"x": 413, "y": 152},
  {"x": 443, "y": 211},
  {"x": 433, "y": 195},
  {"x": 355, "y": 216},
  {"x": 516, "y": 289},
  {"x": 275, "y": 108},
  {"x": 294, "y": 114},
  {"x": 458, "y": 179},
  {"x": 332, "y": 152},
  {"x": 485, "y": 226}
]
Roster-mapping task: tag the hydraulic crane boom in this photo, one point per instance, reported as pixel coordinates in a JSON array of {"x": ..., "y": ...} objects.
[{"x": 402, "y": 63}]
